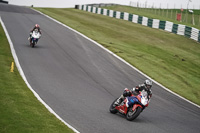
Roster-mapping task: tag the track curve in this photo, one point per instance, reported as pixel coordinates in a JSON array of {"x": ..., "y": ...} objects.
[{"x": 79, "y": 80}]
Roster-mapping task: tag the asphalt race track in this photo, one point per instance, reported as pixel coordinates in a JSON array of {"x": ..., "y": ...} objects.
[{"x": 79, "y": 80}]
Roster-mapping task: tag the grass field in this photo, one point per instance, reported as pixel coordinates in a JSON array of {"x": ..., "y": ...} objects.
[
  {"x": 172, "y": 60},
  {"x": 20, "y": 111},
  {"x": 162, "y": 14}
]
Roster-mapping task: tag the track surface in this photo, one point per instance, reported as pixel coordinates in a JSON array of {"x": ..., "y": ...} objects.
[{"x": 79, "y": 80}]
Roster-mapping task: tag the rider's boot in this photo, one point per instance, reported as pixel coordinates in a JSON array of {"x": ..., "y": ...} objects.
[
  {"x": 119, "y": 100},
  {"x": 30, "y": 37}
]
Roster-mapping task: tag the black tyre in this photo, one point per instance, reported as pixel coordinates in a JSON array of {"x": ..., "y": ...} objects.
[
  {"x": 131, "y": 115},
  {"x": 33, "y": 44},
  {"x": 113, "y": 110}
]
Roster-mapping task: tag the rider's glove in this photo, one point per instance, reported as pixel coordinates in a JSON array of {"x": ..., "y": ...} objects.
[{"x": 126, "y": 93}]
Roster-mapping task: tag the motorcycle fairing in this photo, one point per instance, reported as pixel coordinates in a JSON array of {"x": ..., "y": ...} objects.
[
  {"x": 34, "y": 40},
  {"x": 124, "y": 109}
]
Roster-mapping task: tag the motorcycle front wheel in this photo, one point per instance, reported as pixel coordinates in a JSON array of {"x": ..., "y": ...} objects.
[
  {"x": 112, "y": 109},
  {"x": 133, "y": 114},
  {"x": 33, "y": 44}
]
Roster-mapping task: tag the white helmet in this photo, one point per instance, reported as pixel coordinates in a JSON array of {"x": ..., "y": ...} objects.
[{"x": 148, "y": 82}]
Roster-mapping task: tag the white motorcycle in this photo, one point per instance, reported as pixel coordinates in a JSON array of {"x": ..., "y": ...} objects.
[{"x": 35, "y": 36}]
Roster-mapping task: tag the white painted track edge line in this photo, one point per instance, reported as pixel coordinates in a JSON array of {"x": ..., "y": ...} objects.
[
  {"x": 118, "y": 58},
  {"x": 27, "y": 83}
]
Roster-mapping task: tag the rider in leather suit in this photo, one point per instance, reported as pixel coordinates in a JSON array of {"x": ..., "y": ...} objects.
[
  {"x": 35, "y": 27},
  {"x": 135, "y": 91}
]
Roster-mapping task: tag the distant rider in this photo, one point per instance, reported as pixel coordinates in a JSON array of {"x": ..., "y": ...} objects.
[
  {"x": 130, "y": 94},
  {"x": 35, "y": 27}
]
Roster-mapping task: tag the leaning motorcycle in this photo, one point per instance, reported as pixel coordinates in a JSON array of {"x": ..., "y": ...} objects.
[
  {"x": 34, "y": 36},
  {"x": 133, "y": 111}
]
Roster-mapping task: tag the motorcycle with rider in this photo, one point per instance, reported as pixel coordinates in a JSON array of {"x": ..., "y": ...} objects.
[
  {"x": 132, "y": 102},
  {"x": 35, "y": 35}
]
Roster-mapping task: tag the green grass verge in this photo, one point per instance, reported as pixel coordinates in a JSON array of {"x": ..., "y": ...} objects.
[
  {"x": 170, "y": 59},
  {"x": 161, "y": 14},
  {"x": 20, "y": 111}
]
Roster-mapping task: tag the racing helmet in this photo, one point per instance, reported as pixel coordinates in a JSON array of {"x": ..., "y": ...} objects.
[
  {"x": 37, "y": 26},
  {"x": 148, "y": 83}
]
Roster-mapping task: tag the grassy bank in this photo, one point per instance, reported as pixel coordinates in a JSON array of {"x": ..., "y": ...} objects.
[
  {"x": 162, "y": 14},
  {"x": 170, "y": 59},
  {"x": 20, "y": 111}
]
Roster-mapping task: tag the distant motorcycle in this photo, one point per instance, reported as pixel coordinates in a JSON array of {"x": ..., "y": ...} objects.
[
  {"x": 131, "y": 112},
  {"x": 34, "y": 36}
]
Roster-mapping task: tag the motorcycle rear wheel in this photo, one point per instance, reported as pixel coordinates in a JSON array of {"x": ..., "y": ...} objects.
[
  {"x": 131, "y": 115},
  {"x": 112, "y": 109}
]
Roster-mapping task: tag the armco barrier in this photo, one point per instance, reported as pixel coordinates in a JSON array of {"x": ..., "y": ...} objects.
[
  {"x": 156, "y": 23},
  {"x": 150, "y": 22},
  {"x": 114, "y": 14},
  {"x": 98, "y": 10},
  {"x": 101, "y": 5},
  {"x": 108, "y": 12},
  {"x": 175, "y": 28},
  {"x": 162, "y": 25},
  {"x": 126, "y": 16},
  {"x": 122, "y": 15},
  {"x": 194, "y": 34},
  {"x": 168, "y": 26},
  {"x": 130, "y": 17},
  {"x": 118, "y": 14},
  {"x": 140, "y": 20},
  {"x": 145, "y": 21},
  {"x": 179, "y": 29},
  {"x": 135, "y": 18},
  {"x": 102, "y": 11},
  {"x": 188, "y": 31},
  {"x": 111, "y": 13}
]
